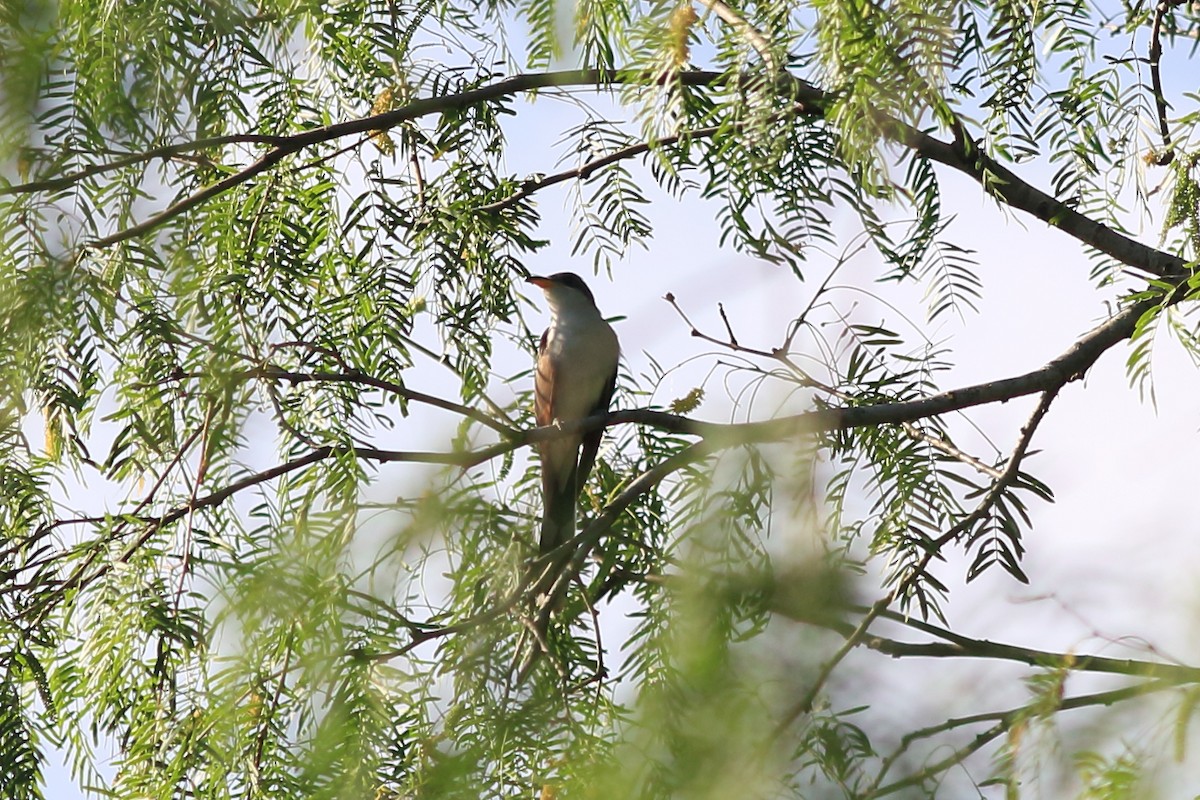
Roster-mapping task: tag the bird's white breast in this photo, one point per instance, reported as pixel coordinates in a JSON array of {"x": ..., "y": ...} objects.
[{"x": 584, "y": 352}]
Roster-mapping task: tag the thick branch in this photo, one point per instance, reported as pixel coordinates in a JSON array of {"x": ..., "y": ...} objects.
[
  {"x": 289, "y": 145},
  {"x": 964, "y": 155},
  {"x": 999, "y": 181},
  {"x": 1069, "y": 366}
]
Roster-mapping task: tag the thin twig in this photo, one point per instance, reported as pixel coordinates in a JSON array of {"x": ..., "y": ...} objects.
[
  {"x": 273, "y": 373},
  {"x": 728, "y": 328},
  {"x": 573, "y": 553},
  {"x": 422, "y": 635},
  {"x": 201, "y": 471},
  {"x": 1011, "y": 470},
  {"x": 955, "y": 645},
  {"x": 585, "y": 170},
  {"x": 1006, "y": 720},
  {"x": 267, "y": 716}
]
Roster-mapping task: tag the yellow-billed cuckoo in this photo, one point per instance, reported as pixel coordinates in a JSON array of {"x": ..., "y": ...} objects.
[{"x": 576, "y": 373}]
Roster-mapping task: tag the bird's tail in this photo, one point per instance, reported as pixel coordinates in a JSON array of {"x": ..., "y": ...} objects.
[
  {"x": 558, "y": 526},
  {"x": 542, "y": 581},
  {"x": 558, "y": 512}
]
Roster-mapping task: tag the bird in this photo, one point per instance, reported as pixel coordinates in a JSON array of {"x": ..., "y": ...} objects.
[{"x": 575, "y": 377}]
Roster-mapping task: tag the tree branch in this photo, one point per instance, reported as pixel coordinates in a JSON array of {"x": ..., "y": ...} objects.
[
  {"x": 957, "y": 644},
  {"x": 557, "y": 568},
  {"x": 900, "y": 590},
  {"x": 782, "y": 355},
  {"x": 285, "y": 146},
  {"x": 1067, "y": 367},
  {"x": 1006, "y": 720},
  {"x": 1160, "y": 101},
  {"x": 964, "y": 155},
  {"x": 715, "y": 436}
]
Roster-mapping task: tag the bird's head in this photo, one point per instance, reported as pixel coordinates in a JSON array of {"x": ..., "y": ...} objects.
[{"x": 564, "y": 290}]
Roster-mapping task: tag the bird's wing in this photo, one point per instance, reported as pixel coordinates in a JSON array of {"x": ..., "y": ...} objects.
[
  {"x": 591, "y": 441},
  {"x": 558, "y": 461},
  {"x": 543, "y": 385}
]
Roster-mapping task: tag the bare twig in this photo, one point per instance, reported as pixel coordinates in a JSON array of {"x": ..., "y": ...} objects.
[
  {"x": 782, "y": 355},
  {"x": 728, "y": 328}
]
